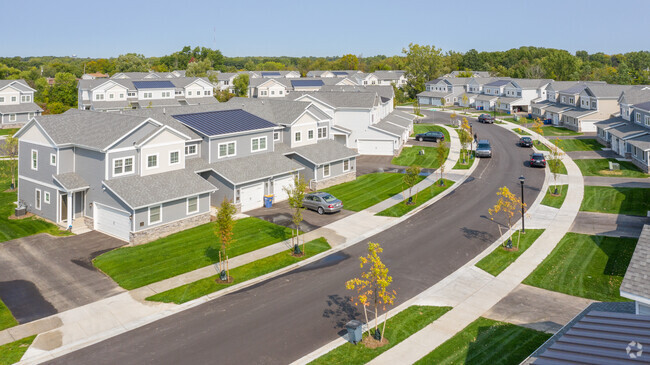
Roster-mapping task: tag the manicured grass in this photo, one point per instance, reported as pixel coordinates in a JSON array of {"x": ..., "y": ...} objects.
[
  {"x": 521, "y": 132},
  {"x": 133, "y": 267},
  {"x": 541, "y": 146},
  {"x": 15, "y": 228},
  {"x": 570, "y": 145},
  {"x": 600, "y": 167},
  {"x": 552, "y": 200},
  {"x": 554, "y": 131},
  {"x": 368, "y": 190},
  {"x": 585, "y": 266},
  {"x": 398, "y": 328},
  {"x": 239, "y": 274},
  {"x": 487, "y": 342},
  {"x": 6, "y": 318},
  {"x": 607, "y": 199},
  {"x": 410, "y": 156},
  {"x": 8, "y": 131},
  {"x": 401, "y": 208},
  {"x": 12, "y": 352},
  {"x": 470, "y": 161},
  {"x": 423, "y": 128},
  {"x": 562, "y": 169},
  {"x": 499, "y": 259}
]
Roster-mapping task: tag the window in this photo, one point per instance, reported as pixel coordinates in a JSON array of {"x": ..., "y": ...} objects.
[
  {"x": 155, "y": 214},
  {"x": 571, "y": 100},
  {"x": 646, "y": 120},
  {"x": 346, "y": 165},
  {"x": 147, "y": 95},
  {"x": 276, "y": 136},
  {"x": 638, "y": 117},
  {"x": 111, "y": 96},
  {"x": 297, "y": 136},
  {"x": 280, "y": 92},
  {"x": 2, "y": 99},
  {"x": 192, "y": 205},
  {"x": 99, "y": 96},
  {"x": 34, "y": 160},
  {"x": 121, "y": 96},
  {"x": 563, "y": 99},
  {"x": 52, "y": 159},
  {"x": 326, "y": 170},
  {"x": 190, "y": 150},
  {"x": 46, "y": 197},
  {"x": 174, "y": 157},
  {"x": 122, "y": 166},
  {"x": 322, "y": 132},
  {"x": 263, "y": 93},
  {"x": 13, "y": 98},
  {"x": 226, "y": 149},
  {"x": 166, "y": 94},
  {"x": 37, "y": 199},
  {"x": 25, "y": 98},
  {"x": 189, "y": 93},
  {"x": 152, "y": 161},
  {"x": 207, "y": 92},
  {"x": 12, "y": 117},
  {"x": 310, "y": 134},
  {"x": 258, "y": 144},
  {"x": 130, "y": 94}
]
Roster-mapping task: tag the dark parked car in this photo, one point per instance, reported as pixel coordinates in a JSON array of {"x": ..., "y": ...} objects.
[
  {"x": 322, "y": 202},
  {"x": 483, "y": 149},
  {"x": 430, "y": 136},
  {"x": 537, "y": 159},
  {"x": 526, "y": 142},
  {"x": 485, "y": 118}
]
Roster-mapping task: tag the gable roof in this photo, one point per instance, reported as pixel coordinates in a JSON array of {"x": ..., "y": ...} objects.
[
  {"x": 255, "y": 167},
  {"x": 498, "y": 83},
  {"x": 323, "y": 152},
  {"x": 221, "y": 122},
  {"x": 278, "y": 111},
  {"x": 345, "y": 100},
  {"x": 606, "y": 91},
  {"x": 19, "y": 84},
  {"x": 637, "y": 277}
]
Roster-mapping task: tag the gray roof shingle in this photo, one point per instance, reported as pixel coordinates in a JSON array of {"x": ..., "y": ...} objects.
[
  {"x": 70, "y": 181},
  {"x": 627, "y": 130},
  {"x": 255, "y": 167},
  {"x": 642, "y": 142},
  {"x": 323, "y": 152},
  {"x": 20, "y": 108}
]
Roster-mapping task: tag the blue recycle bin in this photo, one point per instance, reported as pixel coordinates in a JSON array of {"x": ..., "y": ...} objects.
[
  {"x": 530, "y": 116},
  {"x": 268, "y": 201}
]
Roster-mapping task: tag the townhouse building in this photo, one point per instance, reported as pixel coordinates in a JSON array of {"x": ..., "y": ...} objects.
[
  {"x": 392, "y": 77},
  {"x": 442, "y": 91},
  {"x": 17, "y": 104}
]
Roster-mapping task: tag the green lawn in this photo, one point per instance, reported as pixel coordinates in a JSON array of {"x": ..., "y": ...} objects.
[
  {"x": 607, "y": 199},
  {"x": 600, "y": 167},
  {"x": 15, "y": 228},
  {"x": 570, "y": 145},
  {"x": 585, "y": 266},
  {"x": 240, "y": 274},
  {"x": 8, "y": 131},
  {"x": 553, "y": 131},
  {"x": 541, "y": 146},
  {"x": 499, "y": 259},
  {"x": 133, "y": 267},
  {"x": 562, "y": 169},
  {"x": 459, "y": 165},
  {"x": 368, "y": 190},
  {"x": 6, "y": 318},
  {"x": 552, "y": 200},
  {"x": 410, "y": 156},
  {"x": 398, "y": 328},
  {"x": 427, "y": 194},
  {"x": 423, "y": 128},
  {"x": 487, "y": 342},
  {"x": 521, "y": 132},
  {"x": 12, "y": 352}
]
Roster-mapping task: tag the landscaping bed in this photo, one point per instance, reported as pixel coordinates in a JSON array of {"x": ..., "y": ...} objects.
[
  {"x": 555, "y": 201},
  {"x": 12, "y": 352},
  {"x": 600, "y": 167},
  {"x": 460, "y": 166},
  {"x": 521, "y": 132},
  {"x": 607, "y": 199},
  {"x": 410, "y": 156},
  {"x": 499, "y": 259},
  {"x": 239, "y": 274},
  {"x": 423, "y": 196},
  {"x": 585, "y": 266}
]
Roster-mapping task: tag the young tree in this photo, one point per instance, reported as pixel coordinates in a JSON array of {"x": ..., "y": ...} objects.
[
  {"x": 296, "y": 195},
  {"x": 452, "y": 117},
  {"x": 441, "y": 152},
  {"x": 411, "y": 178},
  {"x": 442, "y": 103},
  {"x": 372, "y": 286},
  {"x": 240, "y": 82},
  {"x": 554, "y": 160},
  {"x": 465, "y": 137},
  {"x": 537, "y": 127},
  {"x": 422, "y": 63},
  {"x": 10, "y": 167},
  {"x": 416, "y": 108},
  {"x": 225, "y": 224},
  {"x": 465, "y": 99},
  {"x": 508, "y": 204}
]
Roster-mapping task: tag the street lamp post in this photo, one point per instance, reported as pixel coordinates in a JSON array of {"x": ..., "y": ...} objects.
[{"x": 523, "y": 221}]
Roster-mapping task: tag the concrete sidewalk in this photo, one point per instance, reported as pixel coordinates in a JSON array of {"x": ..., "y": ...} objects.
[{"x": 618, "y": 182}]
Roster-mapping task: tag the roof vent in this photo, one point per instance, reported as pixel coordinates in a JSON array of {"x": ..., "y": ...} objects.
[{"x": 164, "y": 112}]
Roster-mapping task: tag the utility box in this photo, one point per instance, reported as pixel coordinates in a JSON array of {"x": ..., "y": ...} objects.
[
  {"x": 613, "y": 166},
  {"x": 355, "y": 331},
  {"x": 21, "y": 211},
  {"x": 268, "y": 201}
]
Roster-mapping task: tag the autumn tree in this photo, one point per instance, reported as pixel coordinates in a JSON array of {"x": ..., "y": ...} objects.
[
  {"x": 465, "y": 136},
  {"x": 537, "y": 127},
  {"x": 411, "y": 178},
  {"x": 240, "y": 83},
  {"x": 225, "y": 225},
  {"x": 441, "y": 153},
  {"x": 554, "y": 160},
  {"x": 10, "y": 151},
  {"x": 372, "y": 287},
  {"x": 296, "y": 194},
  {"x": 452, "y": 118},
  {"x": 465, "y": 100},
  {"x": 508, "y": 204}
]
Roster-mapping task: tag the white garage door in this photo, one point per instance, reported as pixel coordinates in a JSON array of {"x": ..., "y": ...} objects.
[
  {"x": 588, "y": 126},
  {"x": 252, "y": 197},
  {"x": 375, "y": 147},
  {"x": 278, "y": 188},
  {"x": 112, "y": 221}
]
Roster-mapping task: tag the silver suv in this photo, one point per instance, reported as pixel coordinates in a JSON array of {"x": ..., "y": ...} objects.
[
  {"x": 322, "y": 202},
  {"x": 483, "y": 149}
]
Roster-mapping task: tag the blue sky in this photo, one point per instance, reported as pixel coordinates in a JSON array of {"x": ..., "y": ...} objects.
[{"x": 318, "y": 28}]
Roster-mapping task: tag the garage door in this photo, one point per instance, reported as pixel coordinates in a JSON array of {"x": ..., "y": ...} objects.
[
  {"x": 588, "y": 126},
  {"x": 375, "y": 147},
  {"x": 252, "y": 197},
  {"x": 112, "y": 221},
  {"x": 278, "y": 188}
]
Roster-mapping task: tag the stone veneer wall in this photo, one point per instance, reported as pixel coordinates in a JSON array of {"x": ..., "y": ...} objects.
[
  {"x": 348, "y": 176},
  {"x": 639, "y": 164},
  {"x": 89, "y": 222},
  {"x": 153, "y": 233}
]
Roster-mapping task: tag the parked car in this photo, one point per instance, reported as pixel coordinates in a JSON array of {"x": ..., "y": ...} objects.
[
  {"x": 322, "y": 202},
  {"x": 484, "y": 149},
  {"x": 432, "y": 136},
  {"x": 485, "y": 118},
  {"x": 525, "y": 142},
  {"x": 537, "y": 159}
]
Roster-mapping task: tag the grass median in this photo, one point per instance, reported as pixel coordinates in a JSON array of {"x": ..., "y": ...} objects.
[
  {"x": 133, "y": 267},
  {"x": 600, "y": 167},
  {"x": 240, "y": 274},
  {"x": 521, "y": 132},
  {"x": 423, "y": 196},
  {"x": 607, "y": 199},
  {"x": 398, "y": 328},
  {"x": 469, "y": 161},
  {"x": 499, "y": 259},
  {"x": 12, "y": 352},
  {"x": 6, "y": 318},
  {"x": 552, "y": 200}
]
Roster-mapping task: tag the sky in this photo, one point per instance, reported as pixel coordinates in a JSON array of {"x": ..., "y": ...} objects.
[{"x": 318, "y": 28}]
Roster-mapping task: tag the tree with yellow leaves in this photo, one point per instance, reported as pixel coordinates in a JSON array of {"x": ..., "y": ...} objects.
[
  {"x": 508, "y": 204},
  {"x": 465, "y": 137},
  {"x": 537, "y": 127},
  {"x": 372, "y": 287}
]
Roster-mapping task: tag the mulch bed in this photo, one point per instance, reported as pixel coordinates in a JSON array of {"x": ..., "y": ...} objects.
[
  {"x": 27, "y": 215},
  {"x": 371, "y": 343}
]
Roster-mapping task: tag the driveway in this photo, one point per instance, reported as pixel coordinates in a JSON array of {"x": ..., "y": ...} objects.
[
  {"x": 43, "y": 275},
  {"x": 280, "y": 214}
]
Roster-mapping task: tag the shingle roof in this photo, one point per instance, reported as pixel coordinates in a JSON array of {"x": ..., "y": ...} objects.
[
  {"x": 498, "y": 83},
  {"x": 578, "y": 113},
  {"x": 575, "y": 89},
  {"x": 346, "y": 100},
  {"x": 389, "y": 75},
  {"x": 637, "y": 95},
  {"x": 610, "y": 122},
  {"x": 19, "y": 84},
  {"x": 223, "y": 122},
  {"x": 385, "y": 91},
  {"x": 255, "y": 167},
  {"x": 557, "y": 108},
  {"x": 142, "y": 191},
  {"x": 607, "y": 91},
  {"x": 643, "y": 106},
  {"x": 20, "y": 108},
  {"x": 434, "y": 94},
  {"x": 278, "y": 111},
  {"x": 642, "y": 143},
  {"x": 485, "y": 97},
  {"x": 627, "y": 130},
  {"x": 389, "y": 127},
  {"x": 70, "y": 181},
  {"x": 322, "y": 152}
]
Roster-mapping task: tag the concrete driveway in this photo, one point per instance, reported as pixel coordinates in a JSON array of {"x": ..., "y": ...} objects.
[
  {"x": 43, "y": 275},
  {"x": 280, "y": 214}
]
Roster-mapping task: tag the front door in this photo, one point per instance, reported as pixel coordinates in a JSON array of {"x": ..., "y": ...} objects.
[{"x": 64, "y": 207}]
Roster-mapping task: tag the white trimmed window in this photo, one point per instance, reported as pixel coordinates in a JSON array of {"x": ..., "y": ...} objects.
[
  {"x": 189, "y": 92},
  {"x": 310, "y": 134},
  {"x": 155, "y": 214},
  {"x": 297, "y": 137},
  {"x": 111, "y": 96},
  {"x": 13, "y": 99},
  {"x": 263, "y": 92},
  {"x": 152, "y": 161},
  {"x": 46, "y": 197},
  {"x": 147, "y": 95},
  {"x": 122, "y": 166},
  {"x": 258, "y": 144},
  {"x": 638, "y": 117},
  {"x": 326, "y": 170},
  {"x": 227, "y": 149},
  {"x": 12, "y": 117},
  {"x": 99, "y": 96},
  {"x": 276, "y": 136},
  {"x": 130, "y": 94},
  {"x": 190, "y": 150},
  {"x": 174, "y": 157},
  {"x": 192, "y": 205},
  {"x": 34, "y": 160},
  {"x": 52, "y": 159},
  {"x": 2, "y": 99},
  {"x": 25, "y": 98},
  {"x": 346, "y": 165},
  {"x": 37, "y": 199},
  {"x": 646, "y": 120}
]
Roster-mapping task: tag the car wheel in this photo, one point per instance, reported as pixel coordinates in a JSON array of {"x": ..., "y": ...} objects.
[
  {"x": 320, "y": 210},
  {"x": 420, "y": 139}
]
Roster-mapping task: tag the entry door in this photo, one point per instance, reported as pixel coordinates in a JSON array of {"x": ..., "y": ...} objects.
[{"x": 64, "y": 207}]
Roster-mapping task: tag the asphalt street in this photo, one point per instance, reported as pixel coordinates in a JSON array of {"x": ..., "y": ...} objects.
[{"x": 282, "y": 319}]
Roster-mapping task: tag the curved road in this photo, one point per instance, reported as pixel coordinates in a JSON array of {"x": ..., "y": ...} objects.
[{"x": 282, "y": 319}]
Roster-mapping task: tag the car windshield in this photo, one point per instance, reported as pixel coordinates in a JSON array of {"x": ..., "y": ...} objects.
[
  {"x": 538, "y": 157},
  {"x": 328, "y": 198},
  {"x": 526, "y": 139},
  {"x": 483, "y": 145}
]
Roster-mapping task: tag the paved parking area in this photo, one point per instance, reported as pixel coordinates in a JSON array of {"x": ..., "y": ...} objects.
[
  {"x": 280, "y": 214},
  {"x": 42, "y": 275}
]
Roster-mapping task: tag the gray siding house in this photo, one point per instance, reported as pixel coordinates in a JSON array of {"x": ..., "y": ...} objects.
[{"x": 17, "y": 105}]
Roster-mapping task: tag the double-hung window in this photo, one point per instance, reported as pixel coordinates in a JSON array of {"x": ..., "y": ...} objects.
[
  {"x": 34, "y": 160},
  {"x": 276, "y": 136},
  {"x": 226, "y": 149},
  {"x": 326, "y": 170},
  {"x": 346, "y": 165},
  {"x": 174, "y": 157},
  {"x": 152, "y": 161},
  {"x": 190, "y": 150},
  {"x": 25, "y": 98},
  {"x": 310, "y": 134},
  {"x": 155, "y": 214},
  {"x": 52, "y": 159},
  {"x": 192, "y": 205},
  {"x": 297, "y": 137},
  {"x": 37, "y": 199},
  {"x": 258, "y": 144},
  {"x": 122, "y": 166}
]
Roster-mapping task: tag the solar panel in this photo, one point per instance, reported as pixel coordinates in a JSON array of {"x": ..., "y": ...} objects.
[
  {"x": 339, "y": 73},
  {"x": 498, "y": 83},
  {"x": 306, "y": 83},
  {"x": 163, "y": 84},
  {"x": 270, "y": 73},
  {"x": 223, "y": 122}
]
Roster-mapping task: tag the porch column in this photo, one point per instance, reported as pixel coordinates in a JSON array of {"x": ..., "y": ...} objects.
[{"x": 70, "y": 209}]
